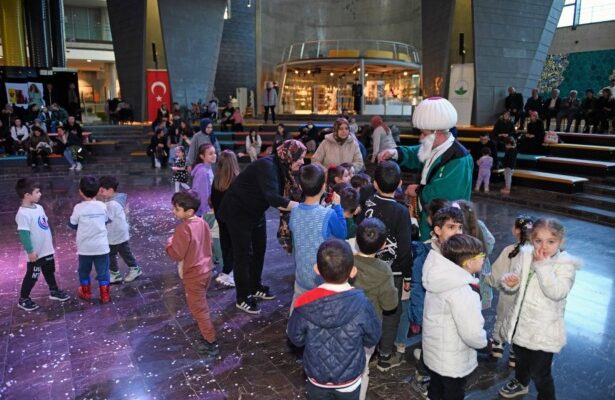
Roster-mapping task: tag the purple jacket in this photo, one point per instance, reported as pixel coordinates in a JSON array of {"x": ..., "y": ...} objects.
[{"x": 202, "y": 178}]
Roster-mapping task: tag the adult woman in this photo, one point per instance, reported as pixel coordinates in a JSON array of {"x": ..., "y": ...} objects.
[
  {"x": 253, "y": 144},
  {"x": 40, "y": 146},
  {"x": 19, "y": 134},
  {"x": 260, "y": 186},
  {"x": 382, "y": 138},
  {"x": 339, "y": 147},
  {"x": 531, "y": 141}
]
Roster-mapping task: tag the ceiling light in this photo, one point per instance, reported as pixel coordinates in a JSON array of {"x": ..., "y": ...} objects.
[
  {"x": 405, "y": 73},
  {"x": 88, "y": 60},
  {"x": 309, "y": 72},
  {"x": 359, "y": 69},
  {"x": 366, "y": 74},
  {"x": 331, "y": 74},
  {"x": 296, "y": 71}
]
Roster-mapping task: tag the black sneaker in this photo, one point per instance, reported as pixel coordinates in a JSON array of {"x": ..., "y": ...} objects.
[
  {"x": 58, "y": 295},
  {"x": 513, "y": 389},
  {"x": 393, "y": 360},
  {"x": 249, "y": 305},
  {"x": 264, "y": 293},
  {"x": 208, "y": 349},
  {"x": 422, "y": 388},
  {"x": 27, "y": 304}
]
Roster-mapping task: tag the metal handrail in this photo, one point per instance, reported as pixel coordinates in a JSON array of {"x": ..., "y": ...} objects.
[{"x": 319, "y": 48}]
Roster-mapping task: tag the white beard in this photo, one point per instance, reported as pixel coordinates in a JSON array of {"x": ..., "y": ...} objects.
[{"x": 426, "y": 147}]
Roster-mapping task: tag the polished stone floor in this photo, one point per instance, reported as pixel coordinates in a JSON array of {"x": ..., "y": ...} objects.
[{"x": 140, "y": 346}]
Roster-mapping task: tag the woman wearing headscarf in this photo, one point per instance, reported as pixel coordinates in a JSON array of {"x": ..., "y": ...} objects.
[
  {"x": 382, "y": 138},
  {"x": 261, "y": 185},
  {"x": 339, "y": 147}
]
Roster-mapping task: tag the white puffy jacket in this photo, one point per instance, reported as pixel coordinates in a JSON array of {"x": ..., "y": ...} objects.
[
  {"x": 537, "y": 318},
  {"x": 452, "y": 319}
]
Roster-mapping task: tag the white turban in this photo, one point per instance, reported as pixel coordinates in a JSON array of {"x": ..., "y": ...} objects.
[{"x": 434, "y": 114}]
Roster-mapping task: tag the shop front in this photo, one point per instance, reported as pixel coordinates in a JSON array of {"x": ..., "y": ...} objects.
[{"x": 326, "y": 78}]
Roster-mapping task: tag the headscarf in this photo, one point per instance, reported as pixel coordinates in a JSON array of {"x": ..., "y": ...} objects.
[
  {"x": 336, "y": 125},
  {"x": 287, "y": 153},
  {"x": 203, "y": 126},
  {"x": 377, "y": 121}
]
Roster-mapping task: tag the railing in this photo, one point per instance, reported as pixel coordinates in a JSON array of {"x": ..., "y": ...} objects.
[{"x": 351, "y": 48}]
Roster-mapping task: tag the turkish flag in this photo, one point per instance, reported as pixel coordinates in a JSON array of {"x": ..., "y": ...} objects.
[{"x": 158, "y": 91}]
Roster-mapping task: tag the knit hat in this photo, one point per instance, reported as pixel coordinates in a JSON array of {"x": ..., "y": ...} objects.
[{"x": 434, "y": 114}]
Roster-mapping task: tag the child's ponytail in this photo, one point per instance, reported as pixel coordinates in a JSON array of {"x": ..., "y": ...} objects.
[{"x": 524, "y": 223}]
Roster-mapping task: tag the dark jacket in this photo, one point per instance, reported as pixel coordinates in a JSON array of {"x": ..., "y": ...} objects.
[
  {"x": 255, "y": 189},
  {"x": 478, "y": 147},
  {"x": 533, "y": 104},
  {"x": 417, "y": 291},
  {"x": 554, "y": 110},
  {"x": 514, "y": 101},
  {"x": 510, "y": 158},
  {"x": 334, "y": 328}
]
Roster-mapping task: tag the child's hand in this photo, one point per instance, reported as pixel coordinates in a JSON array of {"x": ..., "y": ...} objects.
[
  {"x": 511, "y": 280},
  {"x": 32, "y": 257},
  {"x": 540, "y": 255},
  {"x": 335, "y": 198}
]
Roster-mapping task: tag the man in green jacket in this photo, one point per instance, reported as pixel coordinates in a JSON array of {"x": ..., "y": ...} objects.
[{"x": 445, "y": 165}]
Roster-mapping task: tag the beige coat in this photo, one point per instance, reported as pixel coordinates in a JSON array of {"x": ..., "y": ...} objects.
[{"x": 331, "y": 153}]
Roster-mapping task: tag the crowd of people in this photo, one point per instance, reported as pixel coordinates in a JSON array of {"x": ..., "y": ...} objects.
[{"x": 419, "y": 256}]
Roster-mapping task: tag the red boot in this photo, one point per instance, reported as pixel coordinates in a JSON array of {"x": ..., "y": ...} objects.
[
  {"x": 85, "y": 292},
  {"x": 104, "y": 294}
]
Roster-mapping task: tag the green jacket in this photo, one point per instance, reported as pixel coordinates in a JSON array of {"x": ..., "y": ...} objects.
[
  {"x": 449, "y": 178},
  {"x": 376, "y": 279}
]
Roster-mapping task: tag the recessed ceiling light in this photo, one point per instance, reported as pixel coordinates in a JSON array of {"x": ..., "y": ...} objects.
[{"x": 88, "y": 60}]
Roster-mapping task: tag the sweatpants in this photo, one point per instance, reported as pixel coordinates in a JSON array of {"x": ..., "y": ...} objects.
[
  {"x": 508, "y": 173},
  {"x": 483, "y": 178},
  {"x": 47, "y": 266},
  {"x": 390, "y": 322},
  {"x": 101, "y": 264},
  {"x": 446, "y": 388},
  {"x": 535, "y": 365},
  {"x": 249, "y": 244},
  {"x": 123, "y": 249},
  {"x": 196, "y": 298}
]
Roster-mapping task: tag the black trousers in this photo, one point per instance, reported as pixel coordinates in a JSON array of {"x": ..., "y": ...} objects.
[
  {"x": 47, "y": 266},
  {"x": 227, "y": 248},
  {"x": 249, "y": 243},
  {"x": 390, "y": 321},
  {"x": 272, "y": 108},
  {"x": 446, "y": 388},
  {"x": 33, "y": 157},
  {"x": 535, "y": 365},
  {"x": 123, "y": 249}
]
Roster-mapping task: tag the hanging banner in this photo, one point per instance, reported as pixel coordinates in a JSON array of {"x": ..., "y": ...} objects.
[
  {"x": 158, "y": 91},
  {"x": 461, "y": 91}
]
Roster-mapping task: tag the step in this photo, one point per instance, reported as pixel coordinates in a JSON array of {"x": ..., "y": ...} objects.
[
  {"x": 528, "y": 161},
  {"x": 548, "y": 181},
  {"x": 592, "y": 152},
  {"x": 588, "y": 138},
  {"x": 599, "y": 201},
  {"x": 599, "y": 188},
  {"x": 579, "y": 166},
  {"x": 593, "y": 214}
]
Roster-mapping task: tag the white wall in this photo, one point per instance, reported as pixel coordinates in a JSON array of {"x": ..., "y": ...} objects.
[{"x": 589, "y": 37}]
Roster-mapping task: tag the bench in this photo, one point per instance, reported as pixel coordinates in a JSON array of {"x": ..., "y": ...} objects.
[
  {"x": 524, "y": 160},
  {"x": 591, "y": 167},
  {"x": 548, "y": 181},
  {"x": 103, "y": 147},
  {"x": 582, "y": 150},
  {"x": 588, "y": 138}
]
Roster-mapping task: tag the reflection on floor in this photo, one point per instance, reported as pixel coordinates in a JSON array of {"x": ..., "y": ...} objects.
[{"x": 140, "y": 346}]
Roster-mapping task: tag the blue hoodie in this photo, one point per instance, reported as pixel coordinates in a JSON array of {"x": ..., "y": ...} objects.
[{"x": 334, "y": 327}]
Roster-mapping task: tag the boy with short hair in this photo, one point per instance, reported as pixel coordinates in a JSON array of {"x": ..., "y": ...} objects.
[
  {"x": 335, "y": 322},
  {"x": 191, "y": 247},
  {"x": 90, "y": 219},
  {"x": 311, "y": 224},
  {"x": 374, "y": 276},
  {"x": 350, "y": 202},
  {"x": 446, "y": 222},
  {"x": 35, "y": 236},
  {"x": 118, "y": 230},
  {"x": 397, "y": 251}
]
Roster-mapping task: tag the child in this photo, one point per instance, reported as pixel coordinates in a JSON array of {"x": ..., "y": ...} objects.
[
  {"x": 542, "y": 277},
  {"x": 447, "y": 222},
  {"x": 521, "y": 231},
  {"x": 118, "y": 230},
  {"x": 485, "y": 163},
  {"x": 89, "y": 218},
  {"x": 374, "y": 276},
  {"x": 310, "y": 225},
  {"x": 349, "y": 200},
  {"x": 452, "y": 320},
  {"x": 227, "y": 170},
  {"x": 202, "y": 179},
  {"x": 397, "y": 251},
  {"x": 35, "y": 236},
  {"x": 510, "y": 161},
  {"x": 335, "y": 323},
  {"x": 363, "y": 183},
  {"x": 336, "y": 175},
  {"x": 253, "y": 144},
  {"x": 476, "y": 228},
  {"x": 180, "y": 174},
  {"x": 190, "y": 245},
  {"x": 350, "y": 168}
]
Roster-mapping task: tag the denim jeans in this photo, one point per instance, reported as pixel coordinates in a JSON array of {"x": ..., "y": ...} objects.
[
  {"x": 101, "y": 263},
  {"x": 68, "y": 154}
]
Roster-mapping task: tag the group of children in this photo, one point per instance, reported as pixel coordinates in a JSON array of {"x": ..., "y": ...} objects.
[
  {"x": 363, "y": 281},
  {"x": 102, "y": 234}
]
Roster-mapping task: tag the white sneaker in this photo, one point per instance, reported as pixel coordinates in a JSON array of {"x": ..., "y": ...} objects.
[
  {"x": 225, "y": 280},
  {"x": 133, "y": 274},
  {"x": 401, "y": 348},
  {"x": 72, "y": 167},
  {"x": 116, "y": 277},
  {"x": 79, "y": 166}
]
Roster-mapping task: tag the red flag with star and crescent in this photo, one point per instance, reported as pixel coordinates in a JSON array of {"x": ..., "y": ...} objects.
[{"x": 158, "y": 91}]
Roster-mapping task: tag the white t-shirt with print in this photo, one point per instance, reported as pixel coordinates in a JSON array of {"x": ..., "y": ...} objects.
[
  {"x": 91, "y": 217},
  {"x": 34, "y": 220},
  {"x": 118, "y": 229}
]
